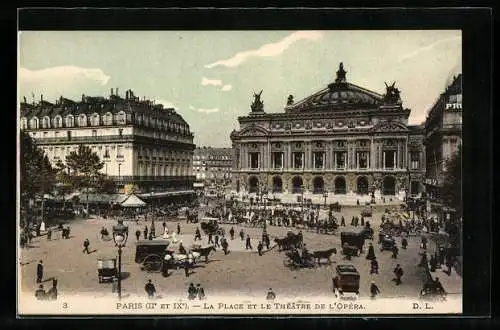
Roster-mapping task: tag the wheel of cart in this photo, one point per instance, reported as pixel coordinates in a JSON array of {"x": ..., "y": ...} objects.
[{"x": 152, "y": 263}]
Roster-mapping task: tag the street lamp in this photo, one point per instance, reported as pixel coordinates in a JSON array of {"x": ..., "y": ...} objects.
[
  {"x": 408, "y": 190},
  {"x": 264, "y": 229},
  {"x": 120, "y": 235}
]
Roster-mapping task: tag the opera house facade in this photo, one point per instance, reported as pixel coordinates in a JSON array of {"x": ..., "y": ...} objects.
[{"x": 343, "y": 140}]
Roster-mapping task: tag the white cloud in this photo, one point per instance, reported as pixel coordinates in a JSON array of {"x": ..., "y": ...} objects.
[
  {"x": 226, "y": 88},
  {"x": 213, "y": 82},
  {"x": 426, "y": 48},
  {"x": 207, "y": 111},
  {"x": 166, "y": 104},
  {"x": 268, "y": 50},
  {"x": 60, "y": 73}
]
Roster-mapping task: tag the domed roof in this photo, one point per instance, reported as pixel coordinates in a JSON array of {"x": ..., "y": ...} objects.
[{"x": 338, "y": 95}]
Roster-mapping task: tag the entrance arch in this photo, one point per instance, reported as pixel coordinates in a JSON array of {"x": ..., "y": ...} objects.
[
  {"x": 297, "y": 183},
  {"x": 319, "y": 185},
  {"x": 253, "y": 184},
  {"x": 340, "y": 186},
  {"x": 389, "y": 186},
  {"x": 277, "y": 184},
  {"x": 362, "y": 185}
]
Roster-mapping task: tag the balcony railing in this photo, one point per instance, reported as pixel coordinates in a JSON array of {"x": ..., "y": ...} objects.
[{"x": 138, "y": 178}]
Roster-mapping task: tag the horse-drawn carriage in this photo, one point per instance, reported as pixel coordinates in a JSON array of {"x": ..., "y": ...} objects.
[
  {"x": 387, "y": 242},
  {"x": 289, "y": 242},
  {"x": 210, "y": 226},
  {"x": 326, "y": 227},
  {"x": 346, "y": 280},
  {"x": 106, "y": 268},
  {"x": 352, "y": 242},
  {"x": 294, "y": 260}
]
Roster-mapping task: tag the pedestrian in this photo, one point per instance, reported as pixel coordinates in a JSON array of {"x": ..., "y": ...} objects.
[
  {"x": 224, "y": 245},
  {"x": 336, "y": 284},
  {"x": 267, "y": 241},
  {"x": 210, "y": 238},
  {"x": 164, "y": 224},
  {"x": 352, "y": 221},
  {"x": 270, "y": 294},
  {"x": 371, "y": 252},
  {"x": 137, "y": 234},
  {"x": 248, "y": 244},
  {"x": 145, "y": 232},
  {"x": 187, "y": 265},
  {"x": 342, "y": 221},
  {"x": 39, "y": 272},
  {"x": 424, "y": 243},
  {"x": 150, "y": 289},
  {"x": 449, "y": 265},
  {"x": 40, "y": 293},
  {"x": 150, "y": 237},
  {"x": 52, "y": 293},
  {"x": 395, "y": 251},
  {"x": 242, "y": 234},
  {"x": 259, "y": 248},
  {"x": 374, "y": 267},
  {"x": 178, "y": 228},
  {"x": 398, "y": 272},
  {"x": 404, "y": 243},
  {"x": 374, "y": 290},
  {"x": 217, "y": 241},
  {"x": 86, "y": 244},
  {"x": 432, "y": 263},
  {"x": 197, "y": 234},
  {"x": 231, "y": 232},
  {"x": 200, "y": 291},
  {"x": 362, "y": 221},
  {"x": 192, "y": 292},
  {"x": 49, "y": 234}
]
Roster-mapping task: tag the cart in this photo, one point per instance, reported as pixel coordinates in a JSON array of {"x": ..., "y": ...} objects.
[
  {"x": 354, "y": 238},
  {"x": 106, "y": 268},
  {"x": 151, "y": 254},
  {"x": 387, "y": 243}
]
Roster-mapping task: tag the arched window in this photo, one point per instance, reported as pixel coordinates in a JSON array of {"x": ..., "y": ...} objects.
[
  {"x": 70, "y": 121},
  {"x": 108, "y": 118},
  {"x": 94, "y": 120},
  {"x": 121, "y": 118},
  {"x": 34, "y": 123},
  {"x": 82, "y": 120},
  {"x": 57, "y": 121},
  {"x": 24, "y": 123},
  {"x": 46, "y": 122}
]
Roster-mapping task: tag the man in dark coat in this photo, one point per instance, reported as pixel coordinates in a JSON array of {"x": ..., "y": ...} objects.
[
  {"x": 150, "y": 289},
  {"x": 267, "y": 241},
  {"x": 398, "y": 272},
  {"x": 231, "y": 232},
  {"x": 86, "y": 244},
  {"x": 395, "y": 251},
  {"x": 404, "y": 243},
  {"x": 432, "y": 264},
  {"x": 210, "y": 240},
  {"x": 216, "y": 244},
  {"x": 259, "y": 248},
  {"x": 242, "y": 234},
  {"x": 39, "y": 272},
  {"x": 187, "y": 266},
  {"x": 270, "y": 294},
  {"x": 192, "y": 292},
  {"x": 371, "y": 252},
  {"x": 138, "y": 234},
  {"x": 248, "y": 244},
  {"x": 374, "y": 290},
  {"x": 52, "y": 293},
  {"x": 362, "y": 221},
  {"x": 178, "y": 228},
  {"x": 224, "y": 245},
  {"x": 197, "y": 234},
  {"x": 145, "y": 232},
  {"x": 200, "y": 291},
  {"x": 342, "y": 221}
]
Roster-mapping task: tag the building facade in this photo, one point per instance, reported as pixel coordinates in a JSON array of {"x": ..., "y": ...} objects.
[
  {"x": 343, "y": 140},
  {"x": 443, "y": 135},
  {"x": 141, "y": 144},
  {"x": 212, "y": 166}
]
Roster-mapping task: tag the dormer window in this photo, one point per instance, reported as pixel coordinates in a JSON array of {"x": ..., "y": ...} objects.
[
  {"x": 94, "y": 120},
  {"x": 108, "y": 119},
  {"x": 69, "y": 121},
  {"x": 34, "y": 123},
  {"x": 58, "y": 122},
  {"x": 24, "y": 123},
  {"x": 120, "y": 118},
  {"x": 46, "y": 122}
]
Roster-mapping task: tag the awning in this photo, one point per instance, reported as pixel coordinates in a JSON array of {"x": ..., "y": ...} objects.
[
  {"x": 198, "y": 185},
  {"x": 166, "y": 194},
  {"x": 133, "y": 201}
]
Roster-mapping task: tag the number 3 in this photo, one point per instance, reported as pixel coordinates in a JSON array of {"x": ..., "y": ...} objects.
[{"x": 65, "y": 305}]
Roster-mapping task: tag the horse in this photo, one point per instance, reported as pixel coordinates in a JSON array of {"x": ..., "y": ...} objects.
[
  {"x": 326, "y": 254},
  {"x": 204, "y": 252}
]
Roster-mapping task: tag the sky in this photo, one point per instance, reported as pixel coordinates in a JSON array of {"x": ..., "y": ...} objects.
[{"x": 209, "y": 77}]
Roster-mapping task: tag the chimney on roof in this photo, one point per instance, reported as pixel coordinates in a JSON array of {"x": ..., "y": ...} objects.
[
  {"x": 126, "y": 95},
  {"x": 111, "y": 91},
  {"x": 83, "y": 97},
  {"x": 41, "y": 97},
  {"x": 116, "y": 92},
  {"x": 24, "y": 99}
]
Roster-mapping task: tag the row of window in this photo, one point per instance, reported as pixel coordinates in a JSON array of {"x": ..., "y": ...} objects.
[
  {"x": 212, "y": 157},
  {"x": 337, "y": 143},
  {"x": 95, "y": 119},
  {"x": 160, "y": 170},
  {"x": 220, "y": 169},
  {"x": 362, "y": 160}
]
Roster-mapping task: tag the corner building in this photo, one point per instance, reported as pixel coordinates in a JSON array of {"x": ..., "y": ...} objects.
[
  {"x": 344, "y": 140},
  {"x": 140, "y": 143}
]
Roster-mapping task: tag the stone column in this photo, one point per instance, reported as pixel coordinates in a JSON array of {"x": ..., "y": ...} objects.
[
  {"x": 383, "y": 159},
  {"x": 308, "y": 155},
  {"x": 373, "y": 154}
]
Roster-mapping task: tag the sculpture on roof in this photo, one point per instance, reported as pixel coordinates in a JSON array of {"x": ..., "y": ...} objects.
[
  {"x": 289, "y": 101},
  {"x": 257, "y": 105},
  {"x": 392, "y": 94}
]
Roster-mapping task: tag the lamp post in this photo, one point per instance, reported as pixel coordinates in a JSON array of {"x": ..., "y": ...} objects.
[
  {"x": 264, "y": 229},
  {"x": 409, "y": 184},
  {"x": 120, "y": 235}
]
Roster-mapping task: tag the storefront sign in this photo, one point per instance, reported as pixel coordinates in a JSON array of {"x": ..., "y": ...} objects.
[{"x": 453, "y": 106}]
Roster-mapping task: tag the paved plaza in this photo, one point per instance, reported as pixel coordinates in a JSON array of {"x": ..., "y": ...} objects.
[{"x": 242, "y": 272}]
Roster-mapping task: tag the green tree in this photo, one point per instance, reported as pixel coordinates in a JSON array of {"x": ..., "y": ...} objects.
[
  {"x": 83, "y": 168},
  {"x": 37, "y": 177},
  {"x": 452, "y": 185}
]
